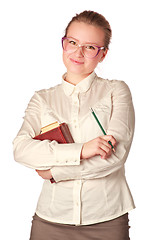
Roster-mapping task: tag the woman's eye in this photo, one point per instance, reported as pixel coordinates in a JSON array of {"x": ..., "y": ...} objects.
[
  {"x": 90, "y": 47},
  {"x": 72, "y": 42}
]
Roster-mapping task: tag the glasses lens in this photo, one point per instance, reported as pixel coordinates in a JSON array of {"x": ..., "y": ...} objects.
[
  {"x": 69, "y": 45},
  {"x": 90, "y": 51}
]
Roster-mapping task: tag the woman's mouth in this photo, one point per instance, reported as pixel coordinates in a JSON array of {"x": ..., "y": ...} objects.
[{"x": 76, "y": 61}]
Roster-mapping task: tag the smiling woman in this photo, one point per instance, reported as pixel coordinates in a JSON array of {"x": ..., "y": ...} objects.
[{"x": 89, "y": 196}]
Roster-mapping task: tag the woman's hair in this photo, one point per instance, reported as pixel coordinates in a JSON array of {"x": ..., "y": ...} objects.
[{"x": 95, "y": 19}]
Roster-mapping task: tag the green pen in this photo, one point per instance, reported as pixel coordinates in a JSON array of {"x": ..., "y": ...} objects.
[{"x": 101, "y": 127}]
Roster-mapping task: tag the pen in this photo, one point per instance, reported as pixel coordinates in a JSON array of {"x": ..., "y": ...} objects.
[{"x": 101, "y": 126}]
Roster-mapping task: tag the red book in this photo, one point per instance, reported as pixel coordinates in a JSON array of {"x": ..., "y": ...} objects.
[{"x": 60, "y": 134}]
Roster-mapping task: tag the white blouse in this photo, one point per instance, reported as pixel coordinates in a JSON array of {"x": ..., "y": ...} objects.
[{"x": 86, "y": 191}]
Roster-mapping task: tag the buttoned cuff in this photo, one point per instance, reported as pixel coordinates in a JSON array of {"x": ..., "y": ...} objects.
[{"x": 68, "y": 154}]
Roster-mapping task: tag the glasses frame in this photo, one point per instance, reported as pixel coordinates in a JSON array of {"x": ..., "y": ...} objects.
[{"x": 82, "y": 45}]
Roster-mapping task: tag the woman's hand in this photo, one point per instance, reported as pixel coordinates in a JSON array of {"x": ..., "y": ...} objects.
[
  {"x": 98, "y": 146},
  {"x": 45, "y": 174}
]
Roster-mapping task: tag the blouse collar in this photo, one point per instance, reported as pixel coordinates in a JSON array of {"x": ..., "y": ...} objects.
[{"x": 82, "y": 86}]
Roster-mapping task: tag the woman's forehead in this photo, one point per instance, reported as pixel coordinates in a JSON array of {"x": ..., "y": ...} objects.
[{"x": 86, "y": 33}]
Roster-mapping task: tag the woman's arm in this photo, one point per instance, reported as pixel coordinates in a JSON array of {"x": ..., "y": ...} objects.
[
  {"x": 121, "y": 127},
  {"x": 97, "y": 146},
  {"x": 41, "y": 154}
]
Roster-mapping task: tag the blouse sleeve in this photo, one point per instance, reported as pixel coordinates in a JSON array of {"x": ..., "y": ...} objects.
[
  {"x": 45, "y": 154},
  {"x": 121, "y": 126}
]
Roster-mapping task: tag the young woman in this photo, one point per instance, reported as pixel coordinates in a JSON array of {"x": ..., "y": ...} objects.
[{"x": 89, "y": 198}]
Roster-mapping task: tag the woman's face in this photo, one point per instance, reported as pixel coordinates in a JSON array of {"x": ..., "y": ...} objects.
[{"x": 75, "y": 62}]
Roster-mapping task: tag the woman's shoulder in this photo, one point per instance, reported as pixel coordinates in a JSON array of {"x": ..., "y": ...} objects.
[
  {"x": 47, "y": 91},
  {"x": 113, "y": 84},
  {"x": 43, "y": 96},
  {"x": 110, "y": 82}
]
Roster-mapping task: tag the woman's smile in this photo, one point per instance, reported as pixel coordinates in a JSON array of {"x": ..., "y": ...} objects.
[{"x": 76, "y": 61}]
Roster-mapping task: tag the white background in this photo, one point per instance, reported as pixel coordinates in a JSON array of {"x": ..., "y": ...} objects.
[{"x": 31, "y": 59}]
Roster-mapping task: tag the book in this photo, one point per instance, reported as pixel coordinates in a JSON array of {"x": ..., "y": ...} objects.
[{"x": 61, "y": 134}]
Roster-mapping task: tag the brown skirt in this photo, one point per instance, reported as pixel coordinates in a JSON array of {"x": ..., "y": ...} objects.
[{"x": 116, "y": 229}]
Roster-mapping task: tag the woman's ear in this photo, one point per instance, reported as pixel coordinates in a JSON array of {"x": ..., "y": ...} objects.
[{"x": 103, "y": 55}]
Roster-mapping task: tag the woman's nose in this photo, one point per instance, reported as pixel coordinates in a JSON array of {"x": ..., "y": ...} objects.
[{"x": 79, "y": 52}]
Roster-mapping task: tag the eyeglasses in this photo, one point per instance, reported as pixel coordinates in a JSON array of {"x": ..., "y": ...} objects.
[{"x": 90, "y": 51}]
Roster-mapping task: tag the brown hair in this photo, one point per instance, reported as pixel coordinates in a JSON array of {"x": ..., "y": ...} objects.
[{"x": 95, "y": 19}]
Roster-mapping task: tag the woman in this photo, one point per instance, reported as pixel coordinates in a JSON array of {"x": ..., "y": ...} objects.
[{"x": 90, "y": 197}]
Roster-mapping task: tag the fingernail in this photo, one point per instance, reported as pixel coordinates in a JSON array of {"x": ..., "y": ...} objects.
[{"x": 114, "y": 150}]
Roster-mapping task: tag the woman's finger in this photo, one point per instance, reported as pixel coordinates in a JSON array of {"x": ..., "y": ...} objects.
[{"x": 110, "y": 138}]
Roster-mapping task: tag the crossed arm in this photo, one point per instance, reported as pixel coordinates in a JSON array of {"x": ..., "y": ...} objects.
[{"x": 98, "y": 146}]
